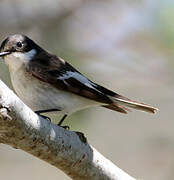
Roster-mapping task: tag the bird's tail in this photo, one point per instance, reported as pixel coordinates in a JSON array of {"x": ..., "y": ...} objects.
[{"x": 121, "y": 104}]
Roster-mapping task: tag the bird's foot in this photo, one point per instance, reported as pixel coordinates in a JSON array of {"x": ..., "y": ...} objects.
[
  {"x": 81, "y": 136},
  {"x": 65, "y": 127},
  {"x": 46, "y": 111},
  {"x": 45, "y": 117}
]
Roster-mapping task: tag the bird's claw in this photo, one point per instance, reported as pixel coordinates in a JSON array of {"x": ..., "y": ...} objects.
[
  {"x": 65, "y": 127},
  {"x": 45, "y": 117},
  {"x": 81, "y": 136}
]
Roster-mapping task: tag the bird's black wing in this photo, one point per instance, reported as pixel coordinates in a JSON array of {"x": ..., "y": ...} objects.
[{"x": 63, "y": 76}]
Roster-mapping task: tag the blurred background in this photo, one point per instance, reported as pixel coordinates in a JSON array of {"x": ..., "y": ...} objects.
[{"x": 125, "y": 45}]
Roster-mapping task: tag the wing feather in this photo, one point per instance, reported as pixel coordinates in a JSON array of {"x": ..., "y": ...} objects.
[{"x": 63, "y": 76}]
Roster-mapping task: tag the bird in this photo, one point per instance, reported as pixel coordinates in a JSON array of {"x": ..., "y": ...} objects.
[{"x": 49, "y": 84}]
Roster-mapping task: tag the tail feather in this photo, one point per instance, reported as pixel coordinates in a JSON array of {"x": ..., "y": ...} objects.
[
  {"x": 117, "y": 107},
  {"x": 120, "y": 103},
  {"x": 123, "y": 102}
]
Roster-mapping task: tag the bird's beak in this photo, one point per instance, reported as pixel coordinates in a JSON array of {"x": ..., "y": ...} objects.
[{"x": 2, "y": 54}]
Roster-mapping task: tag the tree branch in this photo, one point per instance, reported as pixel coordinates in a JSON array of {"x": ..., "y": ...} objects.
[{"x": 21, "y": 128}]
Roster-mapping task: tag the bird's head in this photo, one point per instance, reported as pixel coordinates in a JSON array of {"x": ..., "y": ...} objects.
[{"x": 17, "y": 50}]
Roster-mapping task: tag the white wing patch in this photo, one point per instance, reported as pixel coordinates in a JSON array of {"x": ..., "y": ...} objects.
[
  {"x": 25, "y": 56},
  {"x": 78, "y": 77},
  {"x": 15, "y": 60}
]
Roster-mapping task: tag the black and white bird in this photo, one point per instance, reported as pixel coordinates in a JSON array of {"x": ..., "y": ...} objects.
[{"x": 47, "y": 83}]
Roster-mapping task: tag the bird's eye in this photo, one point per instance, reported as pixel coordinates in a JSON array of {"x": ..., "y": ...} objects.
[{"x": 19, "y": 44}]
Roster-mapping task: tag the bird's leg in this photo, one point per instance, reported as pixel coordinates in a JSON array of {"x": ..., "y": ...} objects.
[
  {"x": 61, "y": 121},
  {"x": 52, "y": 110},
  {"x": 45, "y": 111}
]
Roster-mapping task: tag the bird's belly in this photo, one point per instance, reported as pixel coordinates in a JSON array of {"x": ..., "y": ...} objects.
[{"x": 39, "y": 95}]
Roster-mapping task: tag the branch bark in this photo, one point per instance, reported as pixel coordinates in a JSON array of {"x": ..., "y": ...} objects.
[{"x": 21, "y": 128}]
